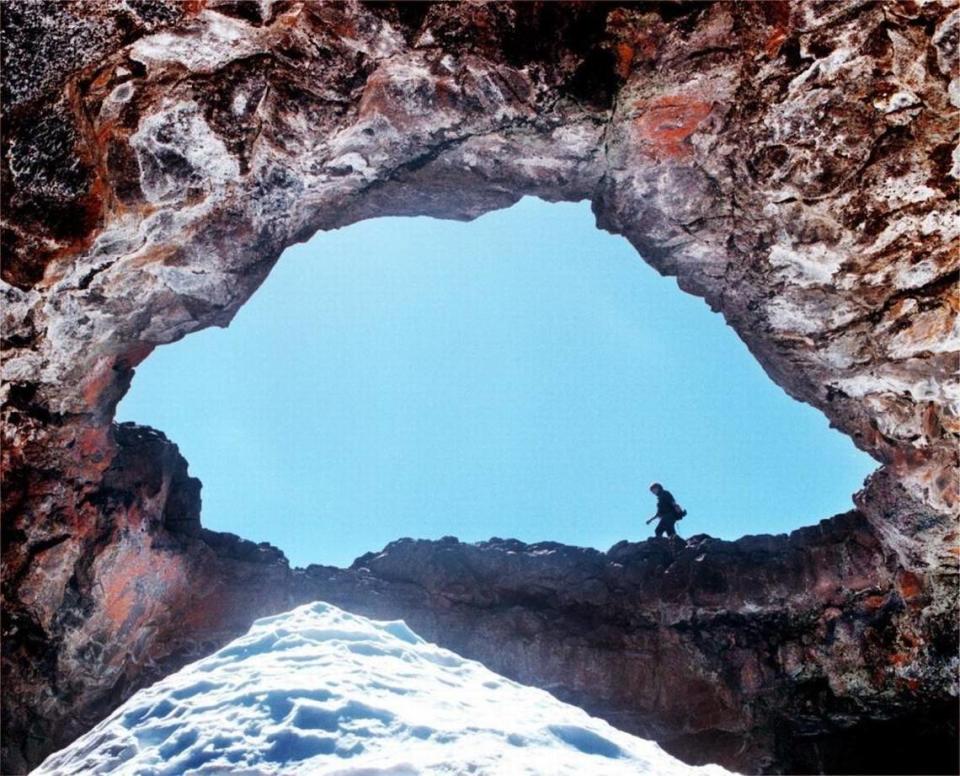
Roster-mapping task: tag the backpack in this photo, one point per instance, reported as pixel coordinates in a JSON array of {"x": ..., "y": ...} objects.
[{"x": 681, "y": 512}]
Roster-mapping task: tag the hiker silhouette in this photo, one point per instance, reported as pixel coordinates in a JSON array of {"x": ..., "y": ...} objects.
[{"x": 668, "y": 511}]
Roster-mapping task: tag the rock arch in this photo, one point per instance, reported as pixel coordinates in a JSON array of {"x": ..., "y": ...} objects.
[{"x": 792, "y": 164}]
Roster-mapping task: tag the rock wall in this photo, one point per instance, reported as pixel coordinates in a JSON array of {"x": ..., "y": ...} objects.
[
  {"x": 813, "y": 652},
  {"x": 792, "y": 163}
]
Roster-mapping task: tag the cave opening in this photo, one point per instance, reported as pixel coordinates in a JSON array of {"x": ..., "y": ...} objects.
[
  {"x": 522, "y": 375},
  {"x": 789, "y": 166}
]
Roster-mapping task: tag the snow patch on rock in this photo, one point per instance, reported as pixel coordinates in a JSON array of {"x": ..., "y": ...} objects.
[{"x": 321, "y": 691}]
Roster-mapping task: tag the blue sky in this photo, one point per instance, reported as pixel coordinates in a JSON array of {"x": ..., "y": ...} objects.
[{"x": 523, "y": 375}]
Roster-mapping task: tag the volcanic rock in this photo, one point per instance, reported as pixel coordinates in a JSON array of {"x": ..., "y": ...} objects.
[{"x": 794, "y": 164}]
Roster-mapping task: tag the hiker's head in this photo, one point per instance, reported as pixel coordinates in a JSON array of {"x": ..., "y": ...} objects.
[{"x": 656, "y": 487}]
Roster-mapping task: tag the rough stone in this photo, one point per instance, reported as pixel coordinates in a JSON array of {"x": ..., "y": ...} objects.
[{"x": 794, "y": 164}]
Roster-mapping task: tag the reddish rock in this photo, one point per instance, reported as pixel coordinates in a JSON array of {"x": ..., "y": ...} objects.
[
  {"x": 792, "y": 163},
  {"x": 665, "y": 123}
]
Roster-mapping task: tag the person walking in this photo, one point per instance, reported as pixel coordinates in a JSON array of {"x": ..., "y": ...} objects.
[{"x": 668, "y": 511}]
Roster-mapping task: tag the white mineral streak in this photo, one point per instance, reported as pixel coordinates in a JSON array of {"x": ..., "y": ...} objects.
[
  {"x": 885, "y": 381},
  {"x": 180, "y": 132},
  {"x": 806, "y": 265},
  {"x": 932, "y": 331},
  {"x": 789, "y": 316},
  {"x": 115, "y": 101},
  {"x": 216, "y": 41}
]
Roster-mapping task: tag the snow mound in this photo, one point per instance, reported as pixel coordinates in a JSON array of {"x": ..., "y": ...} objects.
[{"x": 321, "y": 691}]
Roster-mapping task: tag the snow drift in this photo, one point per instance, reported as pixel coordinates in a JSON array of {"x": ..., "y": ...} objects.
[{"x": 321, "y": 691}]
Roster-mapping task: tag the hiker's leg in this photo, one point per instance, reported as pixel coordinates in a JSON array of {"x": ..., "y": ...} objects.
[{"x": 659, "y": 530}]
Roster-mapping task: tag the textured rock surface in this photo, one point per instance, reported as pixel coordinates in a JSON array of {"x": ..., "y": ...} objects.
[
  {"x": 771, "y": 653},
  {"x": 798, "y": 653},
  {"x": 794, "y": 164}
]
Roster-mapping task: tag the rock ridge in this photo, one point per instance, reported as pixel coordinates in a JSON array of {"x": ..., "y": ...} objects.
[{"x": 765, "y": 654}]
